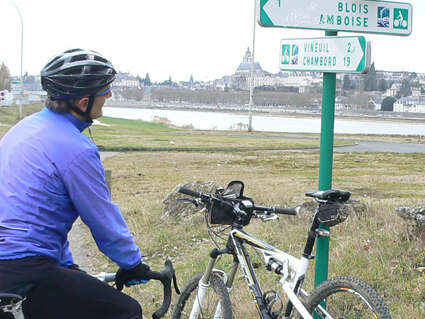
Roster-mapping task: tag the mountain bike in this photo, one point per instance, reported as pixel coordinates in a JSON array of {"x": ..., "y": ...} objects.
[
  {"x": 206, "y": 295},
  {"x": 13, "y": 302}
]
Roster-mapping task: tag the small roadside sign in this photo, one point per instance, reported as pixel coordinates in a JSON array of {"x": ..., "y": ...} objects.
[
  {"x": 15, "y": 86},
  {"x": 382, "y": 17},
  {"x": 329, "y": 54}
]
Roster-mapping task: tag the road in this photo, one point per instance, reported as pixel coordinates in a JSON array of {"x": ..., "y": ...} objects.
[{"x": 379, "y": 146}]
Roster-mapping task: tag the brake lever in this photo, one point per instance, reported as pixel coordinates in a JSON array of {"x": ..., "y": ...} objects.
[
  {"x": 194, "y": 201},
  {"x": 267, "y": 218}
]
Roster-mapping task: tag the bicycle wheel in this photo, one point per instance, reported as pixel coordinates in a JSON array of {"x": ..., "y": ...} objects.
[
  {"x": 347, "y": 298},
  {"x": 216, "y": 293}
]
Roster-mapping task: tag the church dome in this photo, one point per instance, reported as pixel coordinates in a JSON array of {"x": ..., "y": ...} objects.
[{"x": 245, "y": 66}]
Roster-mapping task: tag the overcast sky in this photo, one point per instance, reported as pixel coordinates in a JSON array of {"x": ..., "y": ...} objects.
[{"x": 203, "y": 38}]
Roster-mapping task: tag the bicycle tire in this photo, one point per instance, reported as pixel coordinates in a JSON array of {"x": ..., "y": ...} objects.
[
  {"x": 217, "y": 293},
  {"x": 347, "y": 297}
]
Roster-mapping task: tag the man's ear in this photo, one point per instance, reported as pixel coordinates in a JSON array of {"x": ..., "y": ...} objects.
[{"x": 82, "y": 103}]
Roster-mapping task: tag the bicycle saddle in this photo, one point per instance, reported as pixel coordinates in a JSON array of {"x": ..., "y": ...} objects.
[
  {"x": 15, "y": 295},
  {"x": 330, "y": 195}
]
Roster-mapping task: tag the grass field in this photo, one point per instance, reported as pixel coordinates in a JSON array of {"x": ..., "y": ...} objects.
[
  {"x": 374, "y": 247},
  {"x": 377, "y": 246}
]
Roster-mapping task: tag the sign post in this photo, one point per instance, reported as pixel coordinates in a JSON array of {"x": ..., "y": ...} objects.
[
  {"x": 326, "y": 165},
  {"x": 331, "y": 55}
]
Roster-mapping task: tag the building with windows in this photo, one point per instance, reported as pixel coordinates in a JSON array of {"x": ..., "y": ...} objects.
[
  {"x": 415, "y": 104},
  {"x": 241, "y": 79}
]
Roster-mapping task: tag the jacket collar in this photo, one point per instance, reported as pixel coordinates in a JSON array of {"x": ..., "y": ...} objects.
[{"x": 79, "y": 124}]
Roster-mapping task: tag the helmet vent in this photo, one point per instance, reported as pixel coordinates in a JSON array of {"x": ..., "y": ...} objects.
[
  {"x": 73, "y": 71},
  {"x": 72, "y": 50},
  {"x": 98, "y": 58},
  {"x": 55, "y": 66},
  {"x": 81, "y": 57}
]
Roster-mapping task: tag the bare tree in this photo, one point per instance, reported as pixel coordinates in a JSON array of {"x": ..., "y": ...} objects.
[{"x": 5, "y": 77}]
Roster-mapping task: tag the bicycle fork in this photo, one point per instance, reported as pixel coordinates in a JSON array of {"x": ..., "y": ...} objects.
[{"x": 204, "y": 285}]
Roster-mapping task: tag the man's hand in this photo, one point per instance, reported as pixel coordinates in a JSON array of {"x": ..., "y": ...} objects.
[{"x": 133, "y": 276}]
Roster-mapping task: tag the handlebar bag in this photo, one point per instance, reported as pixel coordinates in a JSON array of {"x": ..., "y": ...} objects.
[{"x": 222, "y": 212}]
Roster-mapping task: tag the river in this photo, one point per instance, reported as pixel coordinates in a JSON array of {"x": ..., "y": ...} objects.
[{"x": 226, "y": 121}]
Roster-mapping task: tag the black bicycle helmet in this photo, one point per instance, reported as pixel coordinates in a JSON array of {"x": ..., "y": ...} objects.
[{"x": 75, "y": 73}]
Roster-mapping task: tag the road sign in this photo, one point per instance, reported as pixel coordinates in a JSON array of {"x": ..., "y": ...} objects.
[
  {"x": 330, "y": 54},
  {"x": 15, "y": 85},
  {"x": 384, "y": 17}
]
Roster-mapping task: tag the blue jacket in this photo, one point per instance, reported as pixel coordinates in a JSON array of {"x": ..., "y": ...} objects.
[{"x": 51, "y": 173}]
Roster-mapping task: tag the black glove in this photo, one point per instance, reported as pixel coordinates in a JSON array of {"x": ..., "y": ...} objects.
[
  {"x": 133, "y": 276},
  {"x": 76, "y": 267}
]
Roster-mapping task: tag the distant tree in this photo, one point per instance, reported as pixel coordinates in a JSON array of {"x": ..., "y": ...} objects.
[
  {"x": 413, "y": 76},
  {"x": 406, "y": 89},
  {"x": 382, "y": 85},
  {"x": 147, "y": 80},
  {"x": 140, "y": 80},
  {"x": 370, "y": 82},
  {"x": 347, "y": 84},
  {"x": 5, "y": 77},
  {"x": 388, "y": 104}
]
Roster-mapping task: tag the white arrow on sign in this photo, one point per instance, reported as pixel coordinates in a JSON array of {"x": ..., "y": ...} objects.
[
  {"x": 329, "y": 54},
  {"x": 381, "y": 17}
]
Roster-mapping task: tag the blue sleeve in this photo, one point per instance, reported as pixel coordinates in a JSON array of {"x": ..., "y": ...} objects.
[
  {"x": 86, "y": 184},
  {"x": 66, "y": 257}
]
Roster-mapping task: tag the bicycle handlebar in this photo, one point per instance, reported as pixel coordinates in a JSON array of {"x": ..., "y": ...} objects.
[
  {"x": 272, "y": 209},
  {"x": 166, "y": 275},
  {"x": 276, "y": 210},
  {"x": 190, "y": 192}
]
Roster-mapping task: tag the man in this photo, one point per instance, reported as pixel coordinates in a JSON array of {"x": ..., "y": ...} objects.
[{"x": 50, "y": 174}]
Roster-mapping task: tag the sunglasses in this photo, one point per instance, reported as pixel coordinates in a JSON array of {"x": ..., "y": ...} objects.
[{"x": 103, "y": 92}]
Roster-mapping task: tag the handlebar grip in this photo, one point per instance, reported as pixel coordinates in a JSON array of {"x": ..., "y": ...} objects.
[
  {"x": 285, "y": 211},
  {"x": 277, "y": 210},
  {"x": 166, "y": 275},
  {"x": 189, "y": 192}
]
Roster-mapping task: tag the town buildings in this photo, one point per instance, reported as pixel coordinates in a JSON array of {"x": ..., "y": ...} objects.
[{"x": 389, "y": 84}]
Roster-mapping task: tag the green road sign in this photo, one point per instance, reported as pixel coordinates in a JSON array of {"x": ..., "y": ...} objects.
[
  {"x": 330, "y": 54},
  {"x": 383, "y": 17}
]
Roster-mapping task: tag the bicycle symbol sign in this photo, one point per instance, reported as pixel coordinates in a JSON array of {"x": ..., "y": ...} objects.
[{"x": 400, "y": 19}]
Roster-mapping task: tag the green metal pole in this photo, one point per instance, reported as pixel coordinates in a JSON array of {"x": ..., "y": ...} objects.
[{"x": 326, "y": 161}]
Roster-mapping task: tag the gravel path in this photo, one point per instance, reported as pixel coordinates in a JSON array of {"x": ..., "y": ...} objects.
[
  {"x": 80, "y": 239},
  {"x": 379, "y": 146}
]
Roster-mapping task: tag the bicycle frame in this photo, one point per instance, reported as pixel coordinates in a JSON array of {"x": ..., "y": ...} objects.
[{"x": 291, "y": 269}]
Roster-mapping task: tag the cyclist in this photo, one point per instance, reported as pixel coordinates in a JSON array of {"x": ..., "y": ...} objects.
[{"x": 50, "y": 174}]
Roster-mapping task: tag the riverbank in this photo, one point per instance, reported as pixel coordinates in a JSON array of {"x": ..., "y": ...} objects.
[
  {"x": 206, "y": 120},
  {"x": 364, "y": 115}
]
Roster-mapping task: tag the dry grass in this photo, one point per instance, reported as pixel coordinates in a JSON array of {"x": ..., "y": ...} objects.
[{"x": 374, "y": 247}]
